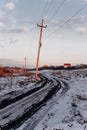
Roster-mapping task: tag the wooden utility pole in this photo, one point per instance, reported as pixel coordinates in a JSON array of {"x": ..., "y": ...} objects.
[
  {"x": 25, "y": 63},
  {"x": 39, "y": 46}
]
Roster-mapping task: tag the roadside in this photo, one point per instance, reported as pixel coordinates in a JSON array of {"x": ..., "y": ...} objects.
[{"x": 70, "y": 111}]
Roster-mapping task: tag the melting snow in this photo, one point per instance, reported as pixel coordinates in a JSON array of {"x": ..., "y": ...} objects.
[{"x": 70, "y": 110}]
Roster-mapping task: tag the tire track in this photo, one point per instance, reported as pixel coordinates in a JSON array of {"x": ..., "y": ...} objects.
[
  {"x": 32, "y": 122},
  {"x": 8, "y": 101},
  {"x": 29, "y": 105}
]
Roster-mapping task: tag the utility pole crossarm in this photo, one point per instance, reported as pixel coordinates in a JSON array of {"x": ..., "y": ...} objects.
[
  {"x": 41, "y": 26},
  {"x": 39, "y": 46}
]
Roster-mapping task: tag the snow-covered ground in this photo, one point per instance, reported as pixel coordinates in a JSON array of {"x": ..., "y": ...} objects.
[
  {"x": 9, "y": 84},
  {"x": 69, "y": 112}
]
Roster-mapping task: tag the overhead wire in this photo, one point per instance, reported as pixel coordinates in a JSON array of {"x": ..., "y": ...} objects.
[
  {"x": 58, "y": 8},
  {"x": 67, "y": 21},
  {"x": 45, "y": 10}
]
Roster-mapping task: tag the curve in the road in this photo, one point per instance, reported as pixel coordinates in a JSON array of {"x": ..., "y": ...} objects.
[{"x": 36, "y": 103}]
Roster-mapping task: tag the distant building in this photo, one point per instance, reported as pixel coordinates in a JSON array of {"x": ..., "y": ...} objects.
[
  {"x": 66, "y": 65},
  {"x": 1, "y": 70},
  {"x": 45, "y": 66},
  {"x": 83, "y": 65}
]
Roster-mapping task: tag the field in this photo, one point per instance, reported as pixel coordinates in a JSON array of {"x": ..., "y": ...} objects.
[{"x": 57, "y": 101}]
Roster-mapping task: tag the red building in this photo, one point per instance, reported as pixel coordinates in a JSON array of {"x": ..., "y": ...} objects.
[
  {"x": 1, "y": 70},
  {"x": 66, "y": 65}
]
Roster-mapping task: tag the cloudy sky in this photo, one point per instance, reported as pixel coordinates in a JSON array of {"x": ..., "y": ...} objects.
[{"x": 64, "y": 40}]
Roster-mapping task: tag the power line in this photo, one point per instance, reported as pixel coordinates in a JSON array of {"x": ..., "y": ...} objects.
[
  {"x": 60, "y": 6},
  {"x": 67, "y": 20},
  {"x": 43, "y": 11},
  {"x": 46, "y": 9}
]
